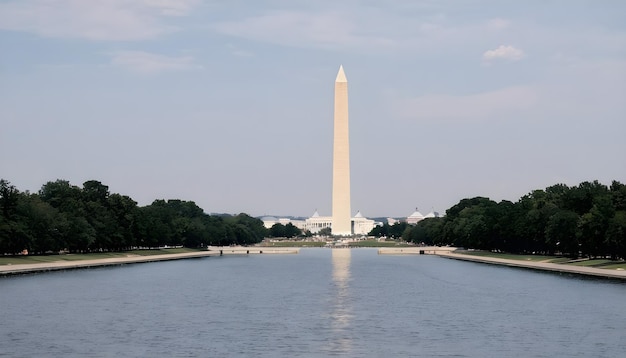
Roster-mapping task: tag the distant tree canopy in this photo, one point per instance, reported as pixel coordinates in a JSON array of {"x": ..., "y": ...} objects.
[
  {"x": 585, "y": 220},
  {"x": 289, "y": 230},
  {"x": 325, "y": 232},
  {"x": 394, "y": 231},
  {"x": 62, "y": 216}
]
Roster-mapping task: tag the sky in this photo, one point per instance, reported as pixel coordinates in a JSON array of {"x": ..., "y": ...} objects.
[{"x": 230, "y": 103}]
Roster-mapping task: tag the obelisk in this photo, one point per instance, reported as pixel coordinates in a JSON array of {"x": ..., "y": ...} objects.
[{"x": 341, "y": 221}]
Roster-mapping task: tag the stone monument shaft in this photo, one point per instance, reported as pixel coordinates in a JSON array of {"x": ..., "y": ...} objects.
[{"x": 341, "y": 220}]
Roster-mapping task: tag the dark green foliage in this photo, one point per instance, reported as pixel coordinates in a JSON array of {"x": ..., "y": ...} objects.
[
  {"x": 65, "y": 217},
  {"x": 325, "y": 231},
  {"x": 277, "y": 230},
  {"x": 9, "y": 197},
  {"x": 561, "y": 233},
  {"x": 247, "y": 230},
  {"x": 584, "y": 220},
  {"x": 394, "y": 231},
  {"x": 288, "y": 231},
  {"x": 428, "y": 232}
]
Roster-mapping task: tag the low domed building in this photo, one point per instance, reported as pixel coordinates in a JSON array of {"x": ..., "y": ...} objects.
[
  {"x": 360, "y": 224},
  {"x": 415, "y": 217}
]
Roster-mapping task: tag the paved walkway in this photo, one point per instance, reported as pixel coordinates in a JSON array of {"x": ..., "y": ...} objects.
[
  {"x": 545, "y": 266},
  {"x": 6, "y": 270},
  {"x": 446, "y": 252},
  {"x": 415, "y": 250},
  {"x": 68, "y": 265}
]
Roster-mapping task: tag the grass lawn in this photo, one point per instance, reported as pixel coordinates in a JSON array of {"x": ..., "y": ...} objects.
[
  {"x": 295, "y": 244},
  {"x": 35, "y": 259},
  {"x": 366, "y": 243},
  {"x": 375, "y": 243},
  {"x": 599, "y": 263},
  {"x": 615, "y": 266},
  {"x": 590, "y": 263},
  {"x": 512, "y": 256}
]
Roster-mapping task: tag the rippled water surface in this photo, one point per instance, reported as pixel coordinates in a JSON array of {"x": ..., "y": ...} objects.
[{"x": 318, "y": 303}]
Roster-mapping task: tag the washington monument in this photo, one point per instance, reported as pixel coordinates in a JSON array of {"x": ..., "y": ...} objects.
[{"x": 341, "y": 221}]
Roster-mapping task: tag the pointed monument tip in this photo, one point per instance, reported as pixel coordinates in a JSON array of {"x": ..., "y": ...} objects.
[{"x": 341, "y": 77}]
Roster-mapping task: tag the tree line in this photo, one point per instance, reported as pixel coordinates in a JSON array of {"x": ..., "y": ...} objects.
[
  {"x": 64, "y": 217},
  {"x": 584, "y": 220},
  {"x": 288, "y": 231},
  {"x": 587, "y": 220}
]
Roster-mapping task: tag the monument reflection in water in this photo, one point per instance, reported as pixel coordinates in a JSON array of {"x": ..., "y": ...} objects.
[{"x": 342, "y": 310}]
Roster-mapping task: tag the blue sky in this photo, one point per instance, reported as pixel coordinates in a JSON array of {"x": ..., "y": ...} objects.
[{"x": 230, "y": 103}]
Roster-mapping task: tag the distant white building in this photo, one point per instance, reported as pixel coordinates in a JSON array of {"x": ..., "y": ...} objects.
[
  {"x": 360, "y": 224},
  {"x": 415, "y": 217},
  {"x": 316, "y": 222},
  {"x": 269, "y": 221},
  {"x": 432, "y": 214}
]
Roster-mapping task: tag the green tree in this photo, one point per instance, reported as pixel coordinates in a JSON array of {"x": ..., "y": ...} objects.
[
  {"x": 156, "y": 225},
  {"x": 618, "y": 195},
  {"x": 123, "y": 212},
  {"x": 77, "y": 232},
  {"x": 62, "y": 195},
  {"x": 535, "y": 221},
  {"x": 615, "y": 240},
  {"x": 561, "y": 232},
  {"x": 254, "y": 231},
  {"x": 380, "y": 231},
  {"x": 94, "y": 198},
  {"x": 506, "y": 229},
  {"x": 95, "y": 191},
  {"x": 8, "y": 226},
  {"x": 428, "y": 231},
  {"x": 583, "y": 196},
  {"x": 594, "y": 225},
  {"x": 471, "y": 222},
  {"x": 8, "y": 199},
  {"x": 292, "y": 231},
  {"x": 277, "y": 230},
  {"x": 45, "y": 226},
  {"x": 80, "y": 234},
  {"x": 217, "y": 233},
  {"x": 416, "y": 234},
  {"x": 325, "y": 232},
  {"x": 196, "y": 234}
]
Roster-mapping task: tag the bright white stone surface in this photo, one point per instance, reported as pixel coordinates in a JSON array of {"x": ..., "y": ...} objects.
[{"x": 341, "y": 223}]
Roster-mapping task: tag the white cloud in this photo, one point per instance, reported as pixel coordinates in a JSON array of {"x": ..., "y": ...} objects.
[
  {"x": 501, "y": 103},
  {"x": 366, "y": 29},
  {"x": 171, "y": 7},
  {"x": 504, "y": 52},
  {"x": 108, "y": 20},
  {"x": 578, "y": 91},
  {"x": 150, "y": 63},
  {"x": 235, "y": 51},
  {"x": 301, "y": 29},
  {"x": 498, "y": 24}
]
